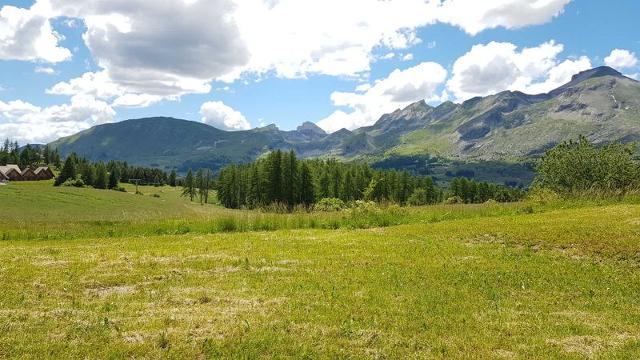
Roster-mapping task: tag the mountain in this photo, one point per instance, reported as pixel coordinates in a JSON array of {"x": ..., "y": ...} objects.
[{"x": 509, "y": 127}]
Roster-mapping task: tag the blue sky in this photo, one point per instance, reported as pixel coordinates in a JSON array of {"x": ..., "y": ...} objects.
[{"x": 288, "y": 63}]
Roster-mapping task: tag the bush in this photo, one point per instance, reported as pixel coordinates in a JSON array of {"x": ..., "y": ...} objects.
[
  {"x": 579, "y": 167},
  {"x": 419, "y": 197},
  {"x": 329, "y": 205},
  {"x": 366, "y": 214},
  {"x": 74, "y": 182},
  {"x": 227, "y": 225},
  {"x": 454, "y": 200}
]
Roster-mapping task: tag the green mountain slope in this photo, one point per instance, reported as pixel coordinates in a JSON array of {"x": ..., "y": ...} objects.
[{"x": 509, "y": 127}]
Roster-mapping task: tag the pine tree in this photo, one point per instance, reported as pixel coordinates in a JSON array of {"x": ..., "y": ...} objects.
[
  {"x": 274, "y": 162},
  {"x": 254, "y": 195},
  {"x": 323, "y": 188},
  {"x": 307, "y": 190},
  {"x": 289, "y": 179},
  {"x": 87, "y": 173},
  {"x": 189, "y": 188},
  {"x": 68, "y": 170},
  {"x": 102, "y": 179},
  {"x": 113, "y": 179},
  {"x": 172, "y": 178}
]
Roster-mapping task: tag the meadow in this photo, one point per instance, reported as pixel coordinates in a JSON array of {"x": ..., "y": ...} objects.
[{"x": 105, "y": 274}]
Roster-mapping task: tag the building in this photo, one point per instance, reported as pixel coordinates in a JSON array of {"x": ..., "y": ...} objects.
[
  {"x": 44, "y": 173},
  {"x": 29, "y": 175},
  {"x": 12, "y": 172},
  {"x": 3, "y": 177}
]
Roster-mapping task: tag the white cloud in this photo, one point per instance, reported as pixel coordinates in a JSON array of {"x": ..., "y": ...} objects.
[
  {"x": 292, "y": 38},
  {"x": 475, "y": 16},
  {"x": 136, "y": 100},
  {"x": 44, "y": 70},
  {"x": 490, "y": 68},
  {"x": 407, "y": 57},
  {"x": 216, "y": 113},
  {"x": 26, "y": 34},
  {"x": 388, "y": 56},
  {"x": 97, "y": 84},
  {"x": 222, "y": 39},
  {"x": 621, "y": 59},
  {"x": 28, "y": 123},
  {"x": 141, "y": 55},
  {"x": 399, "y": 89}
]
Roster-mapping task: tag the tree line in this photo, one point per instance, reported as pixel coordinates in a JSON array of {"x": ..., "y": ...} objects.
[
  {"x": 472, "y": 192},
  {"x": 282, "y": 178},
  {"x": 29, "y": 156},
  {"x": 78, "y": 171}
]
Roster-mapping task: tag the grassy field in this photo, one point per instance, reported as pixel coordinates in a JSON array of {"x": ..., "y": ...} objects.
[{"x": 100, "y": 274}]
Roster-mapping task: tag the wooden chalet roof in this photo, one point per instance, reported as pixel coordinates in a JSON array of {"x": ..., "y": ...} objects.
[{"x": 7, "y": 168}]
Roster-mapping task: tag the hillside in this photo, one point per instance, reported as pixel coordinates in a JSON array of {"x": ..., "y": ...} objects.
[{"x": 509, "y": 127}]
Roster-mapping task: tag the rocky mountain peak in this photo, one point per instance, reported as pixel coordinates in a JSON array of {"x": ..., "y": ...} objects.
[{"x": 309, "y": 127}]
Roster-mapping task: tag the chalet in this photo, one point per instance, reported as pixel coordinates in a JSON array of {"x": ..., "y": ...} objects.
[
  {"x": 3, "y": 177},
  {"x": 44, "y": 173},
  {"x": 29, "y": 175},
  {"x": 12, "y": 172}
]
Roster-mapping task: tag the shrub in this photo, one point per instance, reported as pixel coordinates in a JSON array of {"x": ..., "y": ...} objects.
[
  {"x": 454, "y": 200},
  {"x": 227, "y": 225},
  {"x": 579, "y": 167},
  {"x": 419, "y": 197},
  {"x": 329, "y": 205},
  {"x": 74, "y": 182}
]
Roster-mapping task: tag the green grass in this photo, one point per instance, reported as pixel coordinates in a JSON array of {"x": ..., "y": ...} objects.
[{"x": 481, "y": 281}]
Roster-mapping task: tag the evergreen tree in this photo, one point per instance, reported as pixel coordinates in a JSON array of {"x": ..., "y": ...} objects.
[
  {"x": 274, "y": 167},
  {"x": 307, "y": 190},
  {"x": 68, "y": 170},
  {"x": 172, "y": 178},
  {"x": 102, "y": 179},
  {"x": 189, "y": 188},
  {"x": 87, "y": 173},
  {"x": 289, "y": 179},
  {"x": 113, "y": 179}
]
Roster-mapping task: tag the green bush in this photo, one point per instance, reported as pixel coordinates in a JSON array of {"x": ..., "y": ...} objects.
[
  {"x": 579, "y": 167},
  {"x": 329, "y": 205},
  {"x": 454, "y": 200},
  {"x": 74, "y": 182}
]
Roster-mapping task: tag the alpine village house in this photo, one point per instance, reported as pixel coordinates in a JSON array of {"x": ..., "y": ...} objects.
[{"x": 13, "y": 173}]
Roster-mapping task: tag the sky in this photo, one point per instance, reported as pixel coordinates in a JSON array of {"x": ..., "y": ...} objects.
[{"x": 68, "y": 65}]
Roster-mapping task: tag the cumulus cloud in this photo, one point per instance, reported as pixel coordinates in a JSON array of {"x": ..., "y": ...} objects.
[
  {"x": 217, "y": 114},
  {"x": 475, "y": 16},
  {"x": 621, "y": 59},
  {"x": 141, "y": 55},
  {"x": 407, "y": 57},
  {"x": 28, "y": 123},
  {"x": 490, "y": 68},
  {"x": 26, "y": 34},
  {"x": 291, "y": 37},
  {"x": 399, "y": 89},
  {"x": 222, "y": 39}
]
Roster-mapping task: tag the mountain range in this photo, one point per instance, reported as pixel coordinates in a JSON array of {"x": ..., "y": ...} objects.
[{"x": 503, "y": 131}]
